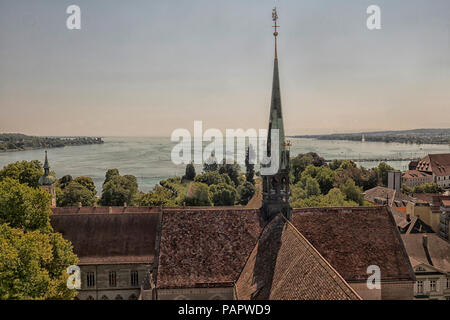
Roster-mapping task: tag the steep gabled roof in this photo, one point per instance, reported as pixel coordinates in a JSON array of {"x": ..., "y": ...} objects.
[
  {"x": 353, "y": 238},
  {"x": 285, "y": 266},
  {"x": 438, "y": 164},
  {"x": 379, "y": 195},
  {"x": 205, "y": 247},
  {"x": 438, "y": 250},
  {"x": 104, "y": 238}
]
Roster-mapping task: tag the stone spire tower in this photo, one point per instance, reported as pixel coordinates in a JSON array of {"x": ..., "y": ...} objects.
[
  {"x": 47, "y": 181},
  {"x": 276, "y": 183}
]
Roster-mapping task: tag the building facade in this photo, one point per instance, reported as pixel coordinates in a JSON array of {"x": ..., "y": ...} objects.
[
  {"x": 445, "y": 220},
  {"x": 438, "y": 165},
  {"x": 430, "y": 258},
  {"x": 412, "y": 178}
]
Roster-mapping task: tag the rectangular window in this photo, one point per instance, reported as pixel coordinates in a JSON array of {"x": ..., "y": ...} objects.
[
  {"x": 432, "y": 285},
  {"x": 112, "y": 279},
  {"x": 90, "y": 279},
  {"x": 448, "y": 283},
  {"x": 419, "y": 286},
  {"x": 134, "y": 278}
]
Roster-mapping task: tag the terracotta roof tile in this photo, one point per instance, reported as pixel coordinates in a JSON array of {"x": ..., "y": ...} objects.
[
  {"x": 285, "y": 266},
  {"x": 353, "y": 238},
  {"x": 205, "y": 247},
  {"x": 439, "y": 164},
  {"x": 102, "y": 238},
  {"x": 438, "y": 249}
]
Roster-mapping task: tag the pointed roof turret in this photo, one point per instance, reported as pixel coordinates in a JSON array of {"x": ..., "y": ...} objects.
[{"x": 47, "y": 179}]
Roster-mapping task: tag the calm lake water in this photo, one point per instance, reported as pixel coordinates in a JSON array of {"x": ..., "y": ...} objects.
[{"x": 148, "y": 158}]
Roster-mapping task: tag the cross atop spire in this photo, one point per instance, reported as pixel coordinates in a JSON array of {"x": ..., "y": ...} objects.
[{"x": 275, "y": 26}]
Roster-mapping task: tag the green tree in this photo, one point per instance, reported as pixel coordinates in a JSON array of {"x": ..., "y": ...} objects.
[
  {"x": 33, "y": 265},
  {"x": 426, "y": 188},
  {"x": 250, "y": 165},
  {"x": 352, "y": 192},
  {"x": 190, "y": 172},
  {"x": 223, "y": 194},
  {"x": 88, "y": 183},
  {"x": 325, "y": 177},
  {"x": 312, "y": 187},
  {"x": 110, "y": 173},
  {"x": 298, "y": 165},
  {"x": 27, "y": 172},
  {"x": 213, "y": 177},
  {"x": 75, "y": 193},
  {"x": 159, "y": 196},
  {"x": 64, "y": 181},
  {"x": 210, "y": 164},
  {"x": 382, "y": 173},
  {"x": 245, "y": 192},
  {"x": 200, "y": 195},
  {"x": 24, "y": 207},
  {"x": 119, "y": 189},
  {"x": 232, "y": 170},
  {"x": 33, "y": 259}
]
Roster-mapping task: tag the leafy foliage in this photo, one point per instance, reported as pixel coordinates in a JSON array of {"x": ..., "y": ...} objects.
[
  {"x": 24, "y": 207},
  {"x": 200, "y": 195},
  {"x": 223, "y": 194},
  {"x": 119, "y": 189},
  {"x": 245, "y": 192},
  {"x": 190, "y": 172},
  {"x": 27, "y": 172},
  {"x": 33, "y": 259}
]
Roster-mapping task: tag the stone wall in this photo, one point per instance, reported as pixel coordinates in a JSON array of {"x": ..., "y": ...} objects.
[
  {"x": 401, "y": 290},
  {"x": 102, "y": 289},
  {"x": 196, "y": 294}
]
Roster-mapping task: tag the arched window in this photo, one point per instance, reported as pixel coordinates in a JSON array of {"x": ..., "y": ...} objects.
[
  {"x": 90, "y": 298},
  {"x": 181, "y": 298},
  {"x": 133, "y": 297},
  {"x": 119, "y": 297},
  {"x": 104, "y": 297},
  {"x": 217, "y": 297}
]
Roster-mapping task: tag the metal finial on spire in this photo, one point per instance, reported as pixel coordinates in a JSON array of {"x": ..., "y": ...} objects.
[{"x": 275, "y": 20}]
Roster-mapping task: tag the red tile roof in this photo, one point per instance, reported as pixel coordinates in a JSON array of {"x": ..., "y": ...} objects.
[
  {"x": 438, "y": 250},
  {"x": 102, "y": 238},
  {"x": 285, "y": 266},
  {"x": 353, "y": 238},
  {"x": 438, "y": 164},
  {"x": 205, "y": 247},
  {"x": 414, "y": 174}
]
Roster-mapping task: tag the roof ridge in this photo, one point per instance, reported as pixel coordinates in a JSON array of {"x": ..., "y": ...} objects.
[{"x": 321, "y": 258}]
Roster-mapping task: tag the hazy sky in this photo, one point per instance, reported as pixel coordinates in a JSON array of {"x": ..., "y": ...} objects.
[{"x": 149, "y": 67}]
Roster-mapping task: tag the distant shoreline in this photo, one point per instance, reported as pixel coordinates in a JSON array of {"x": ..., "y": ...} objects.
[
  {"x": 416, "y": 136},
  {"x": 14, "y": 142}
]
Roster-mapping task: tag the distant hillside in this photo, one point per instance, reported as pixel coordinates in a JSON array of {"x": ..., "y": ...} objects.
[
  {"x": 18, "y": 142},
  {"x": 419, "y": 136}
]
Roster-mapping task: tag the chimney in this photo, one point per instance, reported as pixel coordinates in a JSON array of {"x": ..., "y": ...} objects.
[
  {"x": 110, "y": 209},
  {"x": 124, "y": 204},
  {"x": 425, "y": 241},
  {"x": 80, "y": 204}
]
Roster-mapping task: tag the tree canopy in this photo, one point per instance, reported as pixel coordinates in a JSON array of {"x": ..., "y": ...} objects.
[
  {"x": 27, "y": 172},
  {"x": 33, "y": 259},
  {"x": 119, "y": 189}
]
